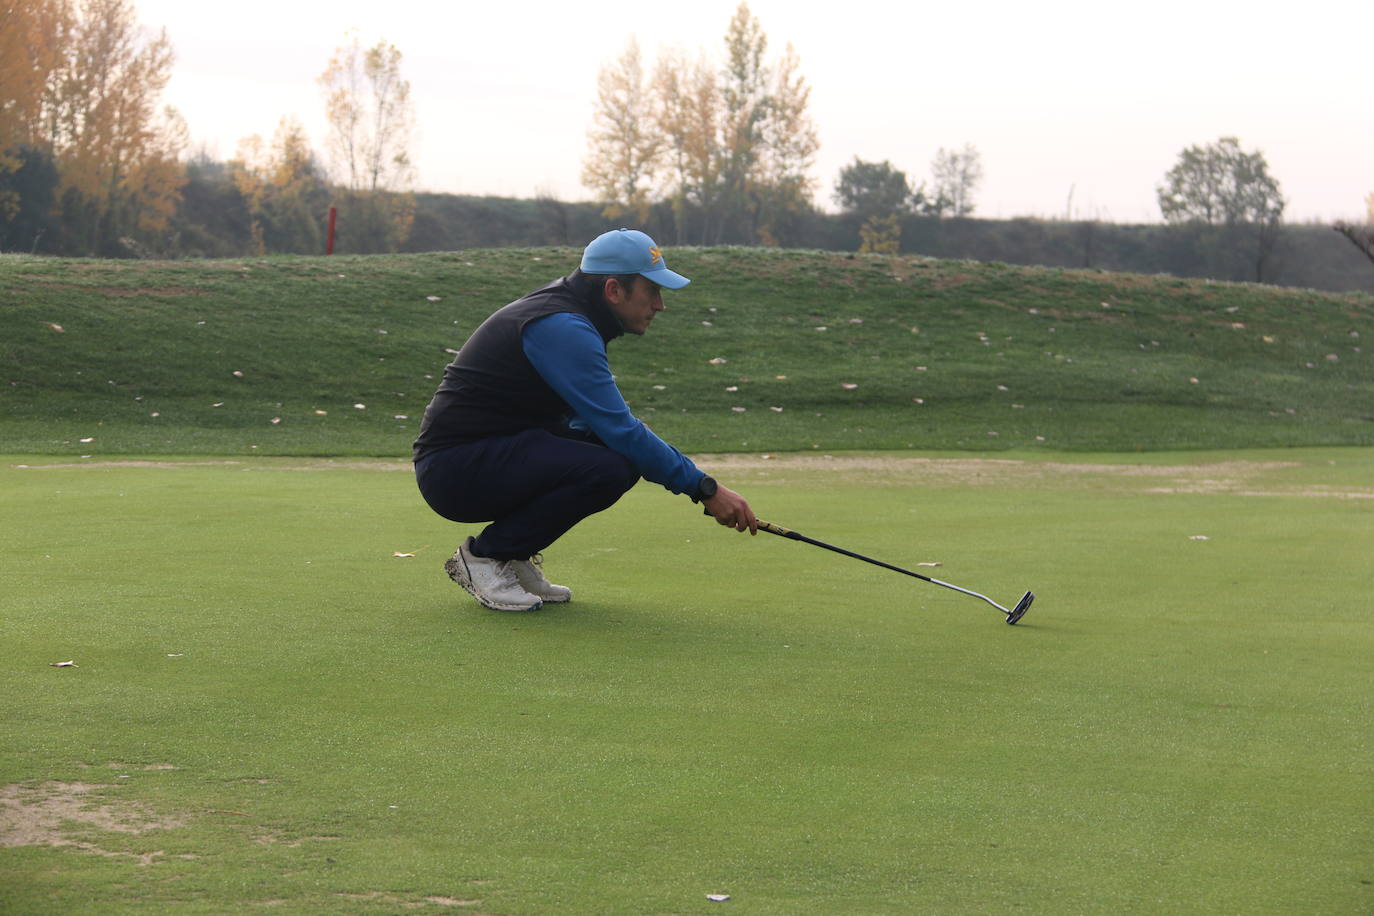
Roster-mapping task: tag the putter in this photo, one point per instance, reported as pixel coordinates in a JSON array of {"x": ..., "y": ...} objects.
[{"x": 1013, "y": 615}]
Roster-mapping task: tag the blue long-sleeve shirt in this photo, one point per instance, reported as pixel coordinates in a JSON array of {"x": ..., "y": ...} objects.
[{"x": 569, "y": 354}]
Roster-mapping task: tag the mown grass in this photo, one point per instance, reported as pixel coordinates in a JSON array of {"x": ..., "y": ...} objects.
[
  {"x": 322, "y": 727},
  {"x": 915, "y": 353}
]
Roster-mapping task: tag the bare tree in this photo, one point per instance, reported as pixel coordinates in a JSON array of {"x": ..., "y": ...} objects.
[
  {"x": 368, "y": 107},
  {"x": 957, "y": 174},
  {"x": 370, "y": 117},
  {"x": 1362, "y": 237}
]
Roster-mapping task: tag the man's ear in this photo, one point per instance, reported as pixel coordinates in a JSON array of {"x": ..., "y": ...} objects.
[{"x": 612, "y": 290}]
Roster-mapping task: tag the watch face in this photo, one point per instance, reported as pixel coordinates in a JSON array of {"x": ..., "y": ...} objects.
[{"x": 707, "y": 488}]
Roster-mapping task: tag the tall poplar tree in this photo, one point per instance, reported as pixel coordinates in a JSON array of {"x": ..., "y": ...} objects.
[{"x": 624, "y": 150}]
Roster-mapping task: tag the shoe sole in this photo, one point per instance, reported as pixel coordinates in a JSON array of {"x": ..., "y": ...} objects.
[{"x": 458, "y": 571}]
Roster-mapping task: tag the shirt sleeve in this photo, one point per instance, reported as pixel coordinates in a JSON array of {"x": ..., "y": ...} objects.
[{"x": 568, "y": 353}]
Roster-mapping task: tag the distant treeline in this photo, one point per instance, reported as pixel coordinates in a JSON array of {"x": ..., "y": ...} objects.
[
  {"x": 216, "y": 218},
  {"x": 1310, "y": 255}
]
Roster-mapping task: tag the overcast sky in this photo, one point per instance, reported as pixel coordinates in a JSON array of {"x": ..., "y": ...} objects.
[{"x": 1069, "y": 103}]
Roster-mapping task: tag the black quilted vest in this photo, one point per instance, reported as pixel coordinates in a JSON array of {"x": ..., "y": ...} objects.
[{"x": 491, "y": 388}]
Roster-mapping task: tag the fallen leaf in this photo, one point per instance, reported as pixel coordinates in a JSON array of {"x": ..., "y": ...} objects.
[
  {"x": 822, "y": 328},
  {"x": 848, "y": 386},
  {"x": 738, "y": 409},
  {"x": 432, "y": 298},
  {"x": 276, "y": 420},
  {"x": 733, "y": 388},
  {"x": 930, "y": 564},
  {"x": 402, "y": 555},
  {"x": 321, "y": 413},
  {"x": 1198, "y": 537},
  {"x": 718, "y": 898},
  {"x": 238, "y": 373},
  {"x": 69, "y": 664},
  {"x": 176, "y": 654},
  {"x": 360, "y": 407},
  {"x": 217, "y": 404},
  {"x": 718, "y": 361},
  {"x": 58, "y": 328},
  {"x": 660, "y": 387},
  {"x": 89, "y": 439},
  {"x": 776, "y": 409}
]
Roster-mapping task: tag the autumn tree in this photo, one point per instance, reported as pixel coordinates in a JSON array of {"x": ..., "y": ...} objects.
[
  {"x": 624, "y": 151},
  {"x": 81, "y": 82},
  {"x": 370, "y": 117},
  {"x": 687, "y": 116},
  {"x": 284, "y": 190},
  {"x": 956, "y": 175},
  {"x": 768, "y": 143},
  {"x": 1228, "y": 199},
  {"x": 32, "y": 35},
  {"x": 730, "y": 145}
]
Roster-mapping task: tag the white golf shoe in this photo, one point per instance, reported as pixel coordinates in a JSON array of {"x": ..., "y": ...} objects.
[
  {"x": 495, "y": 583},
  {"x": 532, "y": 580}
]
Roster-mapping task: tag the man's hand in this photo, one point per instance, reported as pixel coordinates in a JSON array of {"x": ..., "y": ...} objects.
[{"x": 730, "y": 509}]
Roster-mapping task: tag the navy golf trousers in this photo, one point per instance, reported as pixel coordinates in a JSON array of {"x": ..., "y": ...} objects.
[{"x": 532, "y": 487}]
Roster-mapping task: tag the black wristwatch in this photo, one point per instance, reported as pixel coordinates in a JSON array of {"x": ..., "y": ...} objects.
[{"x": 705, "y": 490}]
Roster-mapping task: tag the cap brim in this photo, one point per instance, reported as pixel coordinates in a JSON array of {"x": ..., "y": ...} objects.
[{"x": 666, "y": 278}]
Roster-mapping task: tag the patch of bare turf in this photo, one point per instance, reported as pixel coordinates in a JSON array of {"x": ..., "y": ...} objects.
[{"x": 49, "y": 813}]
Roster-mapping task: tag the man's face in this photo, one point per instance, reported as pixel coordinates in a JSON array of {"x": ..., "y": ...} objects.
[{"x": 635, "y": 305}]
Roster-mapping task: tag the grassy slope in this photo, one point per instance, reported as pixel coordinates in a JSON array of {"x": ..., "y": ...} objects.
[{"x": 1000, "y": 357}]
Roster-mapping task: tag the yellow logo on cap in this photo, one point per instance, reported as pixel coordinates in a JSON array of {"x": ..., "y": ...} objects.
[{"x": 655, "y": 256}]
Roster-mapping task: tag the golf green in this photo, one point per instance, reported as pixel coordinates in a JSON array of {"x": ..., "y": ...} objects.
[{"x": 278, "y": 699}]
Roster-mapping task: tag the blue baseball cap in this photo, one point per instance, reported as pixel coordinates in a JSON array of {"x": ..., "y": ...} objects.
[{"x": 629, "y": 251}]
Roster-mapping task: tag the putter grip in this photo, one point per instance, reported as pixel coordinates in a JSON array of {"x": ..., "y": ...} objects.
[{"x": 764, "y": 526}]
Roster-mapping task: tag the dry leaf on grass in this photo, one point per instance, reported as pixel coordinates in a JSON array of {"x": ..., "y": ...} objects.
[{"x": 68, "y": 664}]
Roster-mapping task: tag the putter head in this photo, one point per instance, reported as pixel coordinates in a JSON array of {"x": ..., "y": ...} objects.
[{"x": 1021, "y": 607}]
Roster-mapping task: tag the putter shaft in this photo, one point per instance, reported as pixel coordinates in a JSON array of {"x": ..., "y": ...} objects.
[{"x": 1012, "y": 615}]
